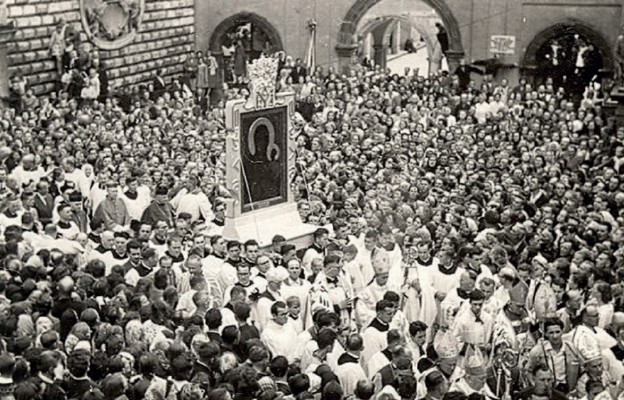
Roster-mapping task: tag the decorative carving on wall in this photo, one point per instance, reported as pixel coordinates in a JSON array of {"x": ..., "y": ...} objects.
[{"x": 111, "y": 24}]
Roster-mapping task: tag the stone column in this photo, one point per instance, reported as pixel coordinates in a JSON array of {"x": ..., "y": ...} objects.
[
  {"x": 381, "y": 54},
  {"x": 396, "y": 41},
  {"x": 346, "y": 55}
]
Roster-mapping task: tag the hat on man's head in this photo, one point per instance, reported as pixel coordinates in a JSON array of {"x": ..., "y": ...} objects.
[
  {"x": 445, "y": 345},
  {"x": 474, "y": 364},
  {"x": 518, "y": 293}
]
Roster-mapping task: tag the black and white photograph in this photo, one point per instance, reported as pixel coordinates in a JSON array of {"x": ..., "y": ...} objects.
[{"x": 311, "y": 199}]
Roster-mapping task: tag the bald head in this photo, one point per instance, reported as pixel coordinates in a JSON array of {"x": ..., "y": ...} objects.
[
  {"x": 108, "y": 235},
  {"x": 467, "y": 281},
  {"x": 617, "y": 322},
  {"x": 590, "y": 316}
]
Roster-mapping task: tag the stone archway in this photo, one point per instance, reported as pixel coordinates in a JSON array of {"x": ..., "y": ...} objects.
[
  {"x": 562, "y": 28},
  {"x": 347, "y": 41},
  {"x": 218, "y": 35},
  {"x": 373, "y": 25},
  {"x": 536, "y": 71}
]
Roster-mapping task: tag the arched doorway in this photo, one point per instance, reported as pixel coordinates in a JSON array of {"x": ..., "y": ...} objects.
[
  {"x": 252, "y": 32},
  {"x": 554, "y": 53},
  {"x": 348, "y": 41},
  {"x": 397, "y": 42}
]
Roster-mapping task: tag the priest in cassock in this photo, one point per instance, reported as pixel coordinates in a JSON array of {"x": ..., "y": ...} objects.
[
  {"x": 446, "y": 276},
  {"x": 350, "y": 370},
  {"x": 391, "y": 374},
  {"x": 374, "y": 335},
  {"x": 472, "y": 327},
  {"x": 419, "y": 302},
  {"x": 386, "y": 243},
  {"x": 238, "y": 295},
  {"x": 384, "y": 357},
  {"x": 112, "y": 211},
  {"x": 243, "y": 272},
  {"x": 332, "y": 291},
  {"x": 417, "y": 341}
]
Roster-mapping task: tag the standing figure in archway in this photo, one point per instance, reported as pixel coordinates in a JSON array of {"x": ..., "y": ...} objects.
[
  {"x": 581, "y": 53},
  {"x": 240, "y": 60},
  {"x": 554, "y": 55},
  {"x": 213, "y": 76},
  {"x": 442, "y": 37}
]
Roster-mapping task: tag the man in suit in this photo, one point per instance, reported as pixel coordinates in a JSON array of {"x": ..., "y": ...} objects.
[
  {"x": 298, "y": 71},
  {"x": 103, "y": 77},
  {"x": 159, "y": 84},
  {"x": 44, "y": 202},
  {"x": 463, "y": 73}
]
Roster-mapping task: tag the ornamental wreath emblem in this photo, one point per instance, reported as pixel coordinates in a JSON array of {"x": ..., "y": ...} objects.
[{"x": 111, "y": 24}]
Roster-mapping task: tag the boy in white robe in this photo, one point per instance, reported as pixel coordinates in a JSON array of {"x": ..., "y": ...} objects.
[{"x": 294, "y": 311}]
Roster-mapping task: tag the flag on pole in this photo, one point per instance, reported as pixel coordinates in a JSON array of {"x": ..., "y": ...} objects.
[{"x": 311, "y": 52}]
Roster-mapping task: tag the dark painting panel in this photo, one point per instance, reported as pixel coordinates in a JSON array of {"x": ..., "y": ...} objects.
[{"x": 264, "y": 156}]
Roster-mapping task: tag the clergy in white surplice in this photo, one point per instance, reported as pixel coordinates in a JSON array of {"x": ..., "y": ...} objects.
[
  {"x": 349, "y": 370},
  {"x": 278, "y": 335},
  {"x": 375, "y": 334},
  {"x": 263, "y": 313}
]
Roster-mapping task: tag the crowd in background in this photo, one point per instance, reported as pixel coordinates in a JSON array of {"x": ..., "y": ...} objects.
[{"x": 469, "y": 245}]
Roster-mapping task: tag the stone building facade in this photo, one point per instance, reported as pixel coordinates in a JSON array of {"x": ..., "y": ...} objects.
[
  {"x": 470, "y": 24},
  {"x": 167, "y": 32},
  {"x": 170, "y": 28}
]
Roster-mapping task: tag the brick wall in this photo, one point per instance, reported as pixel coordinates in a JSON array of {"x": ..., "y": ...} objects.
[{"x": 167, "y": 32}]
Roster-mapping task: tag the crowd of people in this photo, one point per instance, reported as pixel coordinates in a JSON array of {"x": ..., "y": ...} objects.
[{"x": 469, "y": 246}]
